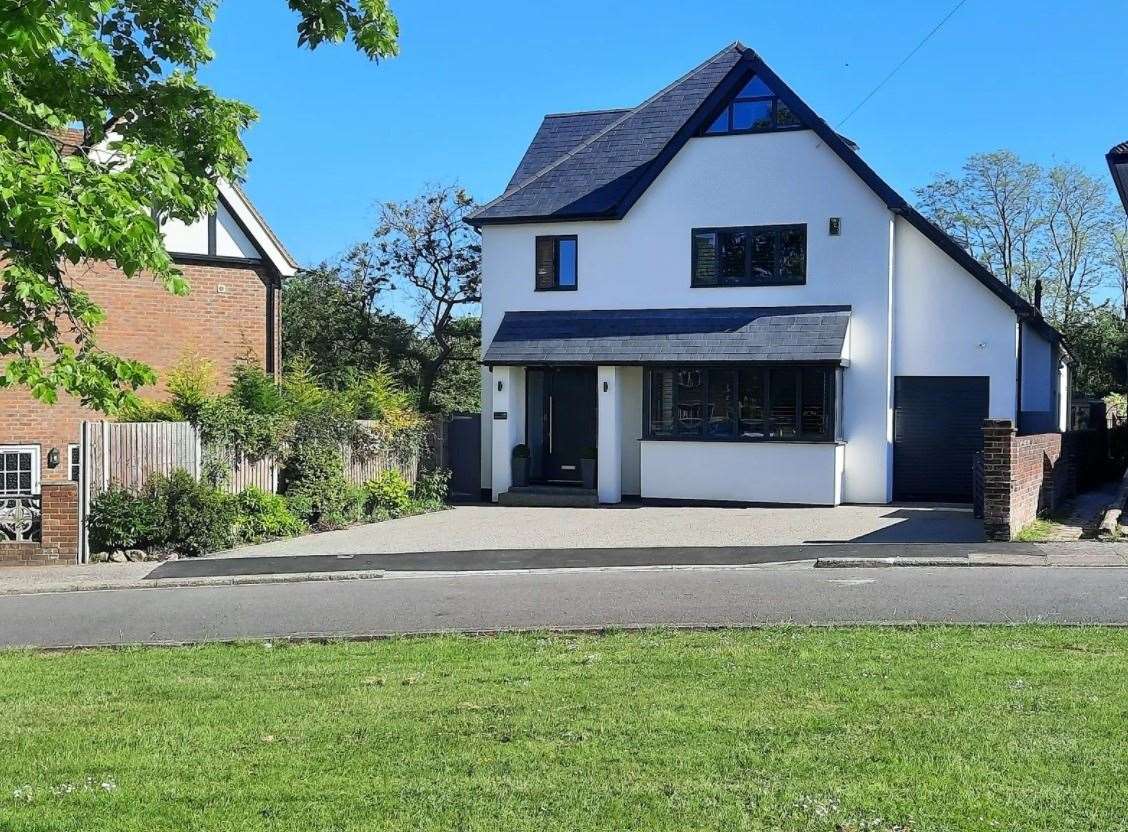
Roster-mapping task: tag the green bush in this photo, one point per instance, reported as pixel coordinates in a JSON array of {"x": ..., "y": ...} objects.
[
  {"x": 195, "y": 517},
  {"x": 388, "y": 495},
  {"x": 264, "y": 516},
  {"x": 432, "y": 487},
  {"x": 316, "y": 489},
  {"x": 120, "y": 519}
]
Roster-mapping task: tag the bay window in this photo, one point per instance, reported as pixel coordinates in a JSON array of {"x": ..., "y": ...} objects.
[{"x": 745, "y": 403}]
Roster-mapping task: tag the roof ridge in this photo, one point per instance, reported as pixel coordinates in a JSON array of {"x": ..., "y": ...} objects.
[{"x": 627, "y": 114}]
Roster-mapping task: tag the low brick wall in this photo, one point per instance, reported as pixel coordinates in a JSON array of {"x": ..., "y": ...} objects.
[
  {"x": 60, "y": 531},
  {"x": 1025, "y": 476}
]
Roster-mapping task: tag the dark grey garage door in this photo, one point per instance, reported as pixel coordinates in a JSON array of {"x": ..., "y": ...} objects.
[{"x": 937, "y": 428}]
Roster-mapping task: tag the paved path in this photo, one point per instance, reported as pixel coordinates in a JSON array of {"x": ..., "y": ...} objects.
[
  {"x": 630, "y": 525},
  {"x": 567, "y": 599}
]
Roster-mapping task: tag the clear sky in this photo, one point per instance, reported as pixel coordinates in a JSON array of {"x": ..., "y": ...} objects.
[{"x": 338, "y": 134}]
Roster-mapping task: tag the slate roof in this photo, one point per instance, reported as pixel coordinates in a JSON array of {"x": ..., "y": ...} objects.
[
  {"x": 1120, "y": 150},
  {"x": 1118, "y": 167},
  {"x": 558, "y": 134},
  {"x": 593, "y": 178},
  {"x": 642, "y": 336},
  {"x": 602, "y": 177}
]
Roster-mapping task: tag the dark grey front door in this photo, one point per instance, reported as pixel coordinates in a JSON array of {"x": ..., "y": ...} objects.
[
  {"x": 561, "y": 412},
  {"x": 937, "y": 428}
]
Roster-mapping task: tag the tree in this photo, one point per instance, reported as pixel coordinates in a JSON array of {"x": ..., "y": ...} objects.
[
  {"x": 994, "y": 209},
  {"x": 332, "y": 318},
  {"x": 1118, "y": 262},
  {"x": 425, "y": 249},
  {"x": 103, "y": 123},
  {"x": 1078, "y": 228}
]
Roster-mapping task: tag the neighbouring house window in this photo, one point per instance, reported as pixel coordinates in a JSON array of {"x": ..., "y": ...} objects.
[
  {"x": 74, "y": 458},
  {"x": 755, "y": 109},
  {"x": 782, "y": 403},
  {"x": 19, "y": 470},
  {"x": 557, "y": 262},
  {"x": 758, "y": 255}
]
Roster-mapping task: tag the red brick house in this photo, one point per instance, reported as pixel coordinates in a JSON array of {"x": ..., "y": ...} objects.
[{"x": 234, "y": 264}]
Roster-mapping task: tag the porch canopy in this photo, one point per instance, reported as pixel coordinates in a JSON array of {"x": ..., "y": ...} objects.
[{"x": 791, "y": 334}]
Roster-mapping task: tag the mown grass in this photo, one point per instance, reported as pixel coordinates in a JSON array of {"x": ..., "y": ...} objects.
[{"x": 854, "y": 729}]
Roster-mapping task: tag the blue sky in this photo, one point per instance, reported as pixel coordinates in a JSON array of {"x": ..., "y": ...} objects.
[{"x": 339, "y": 134}]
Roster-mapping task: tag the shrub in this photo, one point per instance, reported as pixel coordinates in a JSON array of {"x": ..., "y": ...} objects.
[
  {"x": 388, "y": 495},
  {"x": 432, "y": 487},
  {"x": 190, "y": 383},
  {"x": 263, "y": 516},
  {"x": 316, "y": 489},
  {"x": 120, "y": 519},
  {"x": 196, "y": 518}
]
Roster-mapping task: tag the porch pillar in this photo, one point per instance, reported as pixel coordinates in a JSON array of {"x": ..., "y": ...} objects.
[
  {"x": 609, "y": 395},
  {"x": 507, "y": 410}
]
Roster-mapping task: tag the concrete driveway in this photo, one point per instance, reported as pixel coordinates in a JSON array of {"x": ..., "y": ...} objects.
[{"x": 479, "y": 527}]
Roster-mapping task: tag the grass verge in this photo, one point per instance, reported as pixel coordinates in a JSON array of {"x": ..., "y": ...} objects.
[{"x": 850, "y": 729}]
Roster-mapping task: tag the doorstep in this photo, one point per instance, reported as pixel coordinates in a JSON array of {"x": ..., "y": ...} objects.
[{"x": 549, "y": 496}]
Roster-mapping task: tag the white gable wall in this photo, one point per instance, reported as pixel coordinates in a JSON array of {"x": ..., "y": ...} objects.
[
  {"x": 947, "y": 323},
  {"x": 643, "y": 261}
]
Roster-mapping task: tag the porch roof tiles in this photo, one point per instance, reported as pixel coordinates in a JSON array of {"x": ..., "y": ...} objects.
[{"x": 652, "y": 336}]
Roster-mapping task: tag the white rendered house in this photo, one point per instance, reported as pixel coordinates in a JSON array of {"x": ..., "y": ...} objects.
[{"x": 716, "y": 292}]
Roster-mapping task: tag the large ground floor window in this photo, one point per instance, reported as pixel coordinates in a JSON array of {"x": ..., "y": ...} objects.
[{"x": 782, "y": 403}]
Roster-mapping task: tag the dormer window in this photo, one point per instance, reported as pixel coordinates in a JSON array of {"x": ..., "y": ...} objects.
[{"x": 755, "y": 109}]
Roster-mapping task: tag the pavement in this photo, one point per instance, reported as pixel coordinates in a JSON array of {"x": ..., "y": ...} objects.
[{"x": 406, "y": 603}]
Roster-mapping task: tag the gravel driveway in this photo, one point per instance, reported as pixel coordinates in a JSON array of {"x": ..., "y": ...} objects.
[{"x": 489, "y": 526}]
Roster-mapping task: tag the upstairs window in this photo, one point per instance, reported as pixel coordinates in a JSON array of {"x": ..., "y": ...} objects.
[
  {"x": 758, "y": 255},
  {"x": 557, "y": 259},
  {"x": 755, "y": 109}
]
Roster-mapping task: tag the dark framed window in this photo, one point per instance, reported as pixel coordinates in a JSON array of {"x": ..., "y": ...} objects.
[
  {"x": 755, "y": 109},
  {"x": 557, "y": 263},
  {"x": 788, "y": 403},
  {"x": 758, "y": 255}
]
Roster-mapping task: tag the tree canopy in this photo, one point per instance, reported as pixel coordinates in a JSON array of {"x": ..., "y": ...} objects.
[{"x": 105, "y": 126}]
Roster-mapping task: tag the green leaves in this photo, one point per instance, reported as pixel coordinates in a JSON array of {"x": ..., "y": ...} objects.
[
  {"x": 374, "y": 29},
  {"x": 150, "y": 138}
]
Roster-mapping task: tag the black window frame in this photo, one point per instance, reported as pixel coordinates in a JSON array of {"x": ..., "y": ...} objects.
[
  {"x": 730, "y": 106},
  {"x": 555, "y": 239},
  {"x": 747, "y": 279},
  {"x": 832, "y": 408}
]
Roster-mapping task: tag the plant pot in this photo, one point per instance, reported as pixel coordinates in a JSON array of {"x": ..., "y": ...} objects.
[
  {"x": 520, "y": 465},
  {"x": 587, "y": 468}
]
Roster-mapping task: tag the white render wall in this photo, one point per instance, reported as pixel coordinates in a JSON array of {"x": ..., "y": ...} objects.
[
  {"x": 751, "y": 472},
  {"x": 643, "y": 261},
  {"x": 192, "y": 238},
  {"x": 947, "y": 323}
]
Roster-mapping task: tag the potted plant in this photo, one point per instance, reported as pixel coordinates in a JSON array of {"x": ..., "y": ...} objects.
[
  {"x": 587, "y": 467},
  {"x": 520, "y": 466}
]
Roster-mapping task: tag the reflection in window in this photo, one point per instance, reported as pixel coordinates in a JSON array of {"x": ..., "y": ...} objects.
[
  {"x": 752, "y": 403},
  {"x": 754, "y": 109},
  {"x": 749, "y": 256},
  {"x": 753, "y": 414},
  {"x": 661, "y": 402},
  {"x": 720, "y": 413}
]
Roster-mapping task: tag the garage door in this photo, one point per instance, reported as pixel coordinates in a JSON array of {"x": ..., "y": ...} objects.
[{"x": 937, "y": 428}]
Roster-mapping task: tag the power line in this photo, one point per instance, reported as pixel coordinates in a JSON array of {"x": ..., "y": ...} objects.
[{"x": 904, "y": 61}]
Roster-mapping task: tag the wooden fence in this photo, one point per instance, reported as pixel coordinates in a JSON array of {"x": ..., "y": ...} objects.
[{"x": 129, "y": 453}]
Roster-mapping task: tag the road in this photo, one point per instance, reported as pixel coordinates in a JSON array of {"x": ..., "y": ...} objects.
[{"x": 567, "y": 599}]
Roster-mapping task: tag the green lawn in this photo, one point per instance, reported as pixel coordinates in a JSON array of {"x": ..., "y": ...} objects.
[{"x": 789, "y": 729}]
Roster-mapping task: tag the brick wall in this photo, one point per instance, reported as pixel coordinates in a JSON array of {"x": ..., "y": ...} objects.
[
  {"x": 59, "y": 544},
  {"x": 1024, "y": 476},
  {"x": 222, "y": 320}
]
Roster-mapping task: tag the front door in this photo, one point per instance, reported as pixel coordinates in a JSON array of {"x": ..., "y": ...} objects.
[{"x": 562, "y": 422}]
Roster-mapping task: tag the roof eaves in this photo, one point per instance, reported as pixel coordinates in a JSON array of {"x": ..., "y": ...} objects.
[{"x": 1116, "y": 157}]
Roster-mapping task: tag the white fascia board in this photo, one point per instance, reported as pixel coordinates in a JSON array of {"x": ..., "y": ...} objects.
[{"x": 259, "y": 234}]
